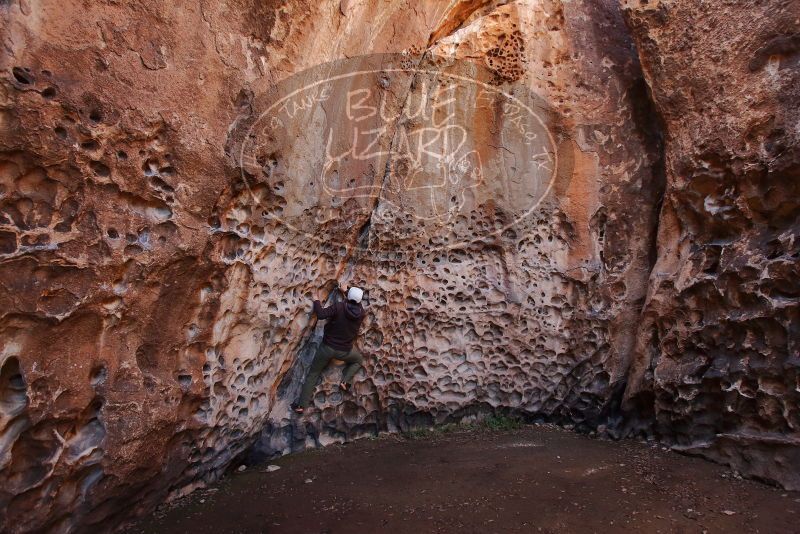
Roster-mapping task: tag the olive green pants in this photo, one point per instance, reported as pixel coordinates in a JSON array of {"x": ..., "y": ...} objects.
[{"x": 322, "y": 358}]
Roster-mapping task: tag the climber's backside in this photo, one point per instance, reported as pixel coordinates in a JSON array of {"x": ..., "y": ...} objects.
[{"x": 341, "y": 330}]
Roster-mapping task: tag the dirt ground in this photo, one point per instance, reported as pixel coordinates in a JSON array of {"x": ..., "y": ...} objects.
[{"x": 536, "y": 479}]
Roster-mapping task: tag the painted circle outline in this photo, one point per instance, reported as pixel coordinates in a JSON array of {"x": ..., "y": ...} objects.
[{"x": 355, "y": 247}]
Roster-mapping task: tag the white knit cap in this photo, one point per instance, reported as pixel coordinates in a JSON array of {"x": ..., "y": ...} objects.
[{"x": 355, "y": 294}]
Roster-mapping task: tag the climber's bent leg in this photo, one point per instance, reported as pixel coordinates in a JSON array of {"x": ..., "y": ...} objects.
[
  {"x": 321, "y": 358},
  {"x": 353, "y": 359}
]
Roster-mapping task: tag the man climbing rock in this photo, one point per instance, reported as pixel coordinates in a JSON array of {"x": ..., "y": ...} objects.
[{"x": 344, "y": 320}]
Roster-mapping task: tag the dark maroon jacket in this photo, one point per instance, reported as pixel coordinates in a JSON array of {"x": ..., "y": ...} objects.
[{"x": 344, "y": 320}]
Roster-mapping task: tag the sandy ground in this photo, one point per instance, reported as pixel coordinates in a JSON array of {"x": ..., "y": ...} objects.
[{"x": 536, "y": 479}]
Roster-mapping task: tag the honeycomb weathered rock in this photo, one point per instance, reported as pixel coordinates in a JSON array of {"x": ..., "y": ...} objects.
[
  {"x": 719, "y": 345},
  {"x": 160, "y": 243}
]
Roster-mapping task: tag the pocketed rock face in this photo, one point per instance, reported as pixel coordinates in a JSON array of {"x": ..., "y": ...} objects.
[
  {"x": 719, "y": 347},
  {"x": 156, "y": 284},
  {"x": 470, "y": 312},
  {"x": 476, "y": 302},
  {"x": 136, "y": 362},
  {"x": 160, "y": 245}
]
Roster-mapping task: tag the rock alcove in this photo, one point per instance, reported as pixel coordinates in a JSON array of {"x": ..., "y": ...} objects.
[{"x": 632, "y": 271}]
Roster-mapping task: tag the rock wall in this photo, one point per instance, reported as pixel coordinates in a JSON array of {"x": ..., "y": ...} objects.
[
  {"x": 486, "y": 305},
  {"x": 177, "y": 185},
  {"x": 717, "y": 353}
]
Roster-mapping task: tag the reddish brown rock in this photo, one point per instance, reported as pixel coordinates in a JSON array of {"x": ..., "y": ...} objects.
[
  {"x": 480, "y": 297},
  {"x": 718, "y": 347},
  {"x": 161, "y": 236}
]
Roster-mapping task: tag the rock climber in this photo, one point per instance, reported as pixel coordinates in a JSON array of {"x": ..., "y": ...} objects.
[{"x": 341, "y": 330}]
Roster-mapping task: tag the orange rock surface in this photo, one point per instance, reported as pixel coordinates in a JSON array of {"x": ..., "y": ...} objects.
[{"x": 543, "y": 225}]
